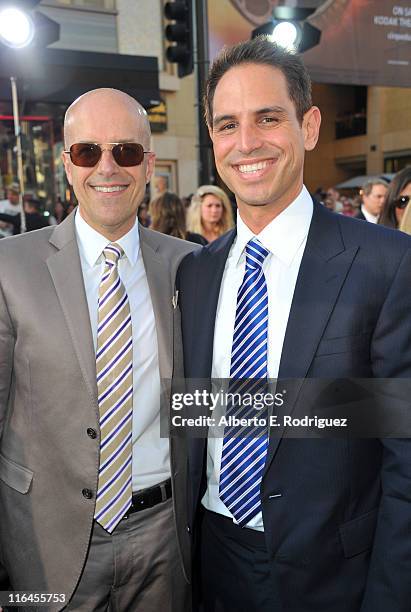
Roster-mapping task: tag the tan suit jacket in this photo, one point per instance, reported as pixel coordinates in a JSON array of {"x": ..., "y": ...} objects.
[{"x": 48, "y": 401}]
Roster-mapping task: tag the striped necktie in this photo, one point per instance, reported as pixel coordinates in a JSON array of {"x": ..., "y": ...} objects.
[
  {"x": 114, "y": 367},
  {"x": 245, "y": 450}
]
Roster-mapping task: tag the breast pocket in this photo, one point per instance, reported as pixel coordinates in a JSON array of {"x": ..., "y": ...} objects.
[
  {"x": 14, "y": 475},
  {"x": 344, "y": 344}
]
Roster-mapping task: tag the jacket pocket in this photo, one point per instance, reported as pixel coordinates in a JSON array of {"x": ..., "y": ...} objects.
[
  {"x": 357, "y": 535},
  {"x": 331, "y": 346},
  {"x": 14, "y": 475}
]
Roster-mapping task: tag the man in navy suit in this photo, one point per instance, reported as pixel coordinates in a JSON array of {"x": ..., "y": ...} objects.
[
  {"x": 329, "y": 526},
  {"x": 373, "y": 193}
]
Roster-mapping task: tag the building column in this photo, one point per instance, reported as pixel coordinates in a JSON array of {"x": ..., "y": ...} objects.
[{"x": 375, "y": 115}]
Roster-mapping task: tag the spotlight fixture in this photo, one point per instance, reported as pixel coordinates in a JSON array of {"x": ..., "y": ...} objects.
[
  {"x": 16, "y": 28},
  {"x": 289, "y": 29}
]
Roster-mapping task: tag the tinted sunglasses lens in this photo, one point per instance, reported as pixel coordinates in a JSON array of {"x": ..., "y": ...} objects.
[
  {"x": 402, "y": 201},
  {"x": 128, "y": 154},
  {"x": 84, "y": 154}
]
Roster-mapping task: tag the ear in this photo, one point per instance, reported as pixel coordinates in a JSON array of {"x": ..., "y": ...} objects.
[
  {"x": 67, "y": 166},
  {"x": 150, "y": 164},
  {"x": 311, "y": 127}
]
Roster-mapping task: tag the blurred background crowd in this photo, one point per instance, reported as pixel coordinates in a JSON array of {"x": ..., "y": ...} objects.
[{"x": 208, "y": 213}]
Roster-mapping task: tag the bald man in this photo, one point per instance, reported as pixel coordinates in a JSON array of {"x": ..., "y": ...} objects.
[{"x": 92, "y": 497}]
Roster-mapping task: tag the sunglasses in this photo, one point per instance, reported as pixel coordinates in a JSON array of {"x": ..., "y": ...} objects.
[
  {"x": 402, "y": 201},
  {"x": 88, "y": 154}
]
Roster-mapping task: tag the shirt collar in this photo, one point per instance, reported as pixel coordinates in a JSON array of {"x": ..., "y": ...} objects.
[
  {"x": 284, "y": 235},
  {"x": 92, "y": 243},
  {"x": 368, "y": 216}
]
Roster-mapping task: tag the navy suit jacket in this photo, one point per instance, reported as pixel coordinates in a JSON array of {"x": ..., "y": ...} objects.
[
  {"x": 360, "y": 215},
  {"x": 337, "y": 512}
]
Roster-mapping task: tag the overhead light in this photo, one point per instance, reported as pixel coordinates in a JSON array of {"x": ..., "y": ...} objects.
[
  {"x": 16, "y": 28},
  {"x": 287, "y": 35},
  {"x": 289, "y": 29}
]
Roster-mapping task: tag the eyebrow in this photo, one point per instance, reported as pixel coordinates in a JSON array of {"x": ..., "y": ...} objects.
[{"x": 260, "y": 111}]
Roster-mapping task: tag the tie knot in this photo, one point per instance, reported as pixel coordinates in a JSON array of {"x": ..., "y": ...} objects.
[
  {"x": 255, "y": 254},
  {"x": 112, "y": 253}
]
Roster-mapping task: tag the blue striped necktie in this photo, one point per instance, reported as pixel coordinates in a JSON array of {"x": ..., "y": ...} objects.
[
  {"x": 114, "y": 368},
  {"x": 244, "y": 454}
]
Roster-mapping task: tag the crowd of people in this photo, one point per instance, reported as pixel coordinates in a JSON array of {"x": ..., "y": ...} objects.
[
  {"x": 207, "y": 214},
  {"x": 378, "y": 201},
  {"x": 36, "y": 215}
]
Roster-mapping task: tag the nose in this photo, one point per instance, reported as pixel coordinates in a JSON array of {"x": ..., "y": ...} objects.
[
  {"x": 249, "y": 138},
  {"x": 107, "y": 165}
]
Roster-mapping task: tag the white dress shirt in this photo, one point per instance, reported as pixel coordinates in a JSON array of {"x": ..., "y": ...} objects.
[
  {"x": 368, "y": 216},
  {"x": 285, "y": 237},
  {"x": 6, "y": 207},
  {"x": 151, "y": 462}
]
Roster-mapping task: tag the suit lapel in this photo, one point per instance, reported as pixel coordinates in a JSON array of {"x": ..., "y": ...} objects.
[
  {"x": 205, "y": 299},
  {"x": 161, "y": 292},
  {"x": 210, "y": 272},
  {"x": 324, "y": 267},
  {"x": 65, "y": 269}
]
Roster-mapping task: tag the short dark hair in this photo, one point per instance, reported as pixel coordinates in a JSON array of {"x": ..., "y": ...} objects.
[{"x": 261, "y": 50}]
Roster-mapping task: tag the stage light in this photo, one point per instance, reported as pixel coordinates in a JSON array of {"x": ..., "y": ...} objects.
[
  {"x": 16, "y": 28},
  {"x": 290, "y": 29},
  {"x": 286, "y": 34}
]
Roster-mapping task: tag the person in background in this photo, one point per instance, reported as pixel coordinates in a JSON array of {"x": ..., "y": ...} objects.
[
  {"x": 320, "y": 194},
  {"x": 335, "y": 197},
  {"x": 329, "y": 203},
  {"x": 34, "y": 219},
  {"x": 9, "y": 206},
  {"x": 167, "y": 214},
  {"x": 60, "y": 211},
  {"x": 398, "y": 196},
  {"x": 210, "y": 213},
  {"x": 143, "y": 216},
  {"x": 373, "y": 194},
  {"x": 348, "y": 207}
]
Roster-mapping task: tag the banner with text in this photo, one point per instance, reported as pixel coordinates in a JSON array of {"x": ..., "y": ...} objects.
[{"x": 363, "y": 42}]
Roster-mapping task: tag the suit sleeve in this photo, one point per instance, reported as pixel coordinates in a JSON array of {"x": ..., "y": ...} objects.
[
  {"x": 14, "y": 220},
  {"x": 388, "y": 585},
  {"x": 6, "y": 361}
]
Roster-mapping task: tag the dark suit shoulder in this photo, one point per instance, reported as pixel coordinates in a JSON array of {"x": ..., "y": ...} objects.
[
  {"x": 355, "y": 231},
  {"x": 360, "y": 215},
  {"x": 169, "y": 244}
]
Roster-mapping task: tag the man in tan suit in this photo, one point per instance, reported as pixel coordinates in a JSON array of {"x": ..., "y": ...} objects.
[{"x": 92, "y": 498}]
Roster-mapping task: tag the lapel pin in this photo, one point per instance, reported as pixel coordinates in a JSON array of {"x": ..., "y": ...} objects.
[{"x": 174, "y": 300}]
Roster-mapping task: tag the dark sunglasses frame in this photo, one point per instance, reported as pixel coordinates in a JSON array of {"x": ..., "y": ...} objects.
[
  {"x": 402, "y": 201},
  {"x": 117, "y": 150}
]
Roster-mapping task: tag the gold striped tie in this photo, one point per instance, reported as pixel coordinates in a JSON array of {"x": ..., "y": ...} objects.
[{"x": 114, "y": 366}]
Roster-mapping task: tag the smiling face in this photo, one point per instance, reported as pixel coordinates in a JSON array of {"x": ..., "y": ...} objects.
[
  {"x": 211, "y": 208},
  {"x": 109, "y": 195},
  {"x": 259, "y": 144}
]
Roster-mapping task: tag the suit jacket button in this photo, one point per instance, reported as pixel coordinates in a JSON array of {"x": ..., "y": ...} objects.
[
  {"x": 188, "y": 529},
  {"x": 91, "y": 433},
  {"x": 87, "y": 493}
]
